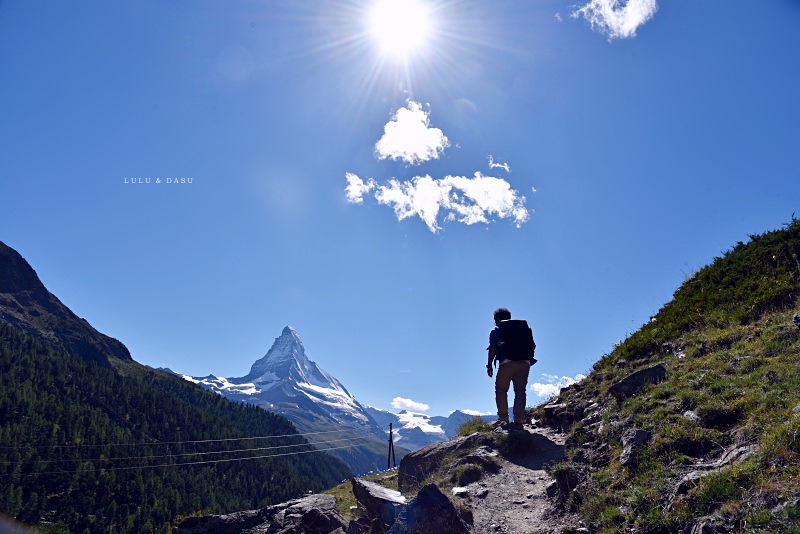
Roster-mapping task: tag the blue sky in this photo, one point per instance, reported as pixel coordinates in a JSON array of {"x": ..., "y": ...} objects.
[{"x": 573, "y": 162}]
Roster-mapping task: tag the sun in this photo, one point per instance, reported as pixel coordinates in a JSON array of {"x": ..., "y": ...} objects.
[{"x": 400, "y": 27}]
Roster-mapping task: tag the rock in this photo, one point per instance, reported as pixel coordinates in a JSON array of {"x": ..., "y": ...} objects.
[
  {"x": 688, "y": 482},
  {"x": 379, "y": 503},
  {"x": 432, "y": 511},
  {"x": 633, "y": 383},
  {"x": 796, "y": 319},
  {"x": 312, "y": 514},
  {"x": 705, "y": 525},
  {"x": 418, "y": 465},
  {"x": 730, "y": 457},
  {"x": 362, "y": 525},
  {"x": 796, "y": 409},
  {"x": 460, "y": 492},
  {"x": 566, "y": 480},
  {"x": 633, "y": 440},
  {"x": 561, "y": 416}
]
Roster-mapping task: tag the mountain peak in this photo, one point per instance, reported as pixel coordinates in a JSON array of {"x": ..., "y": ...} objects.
[
  {"x": 16, "y": 274},
  {"x": 25, "y": 303},
  {"x": 285, "y": 359}
]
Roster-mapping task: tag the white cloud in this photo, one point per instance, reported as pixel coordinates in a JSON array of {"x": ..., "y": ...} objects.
[
  {"x": 409, "y": 137},
  {"x": 475, "y": 413},
  {"x": 467, "y": 200},
  {"x": 553, "y": 384},
  {"x": 617, "y": 18},
  {"x": 493, "y": 165},
  {"x": 401, "y": 403},
  {"x": 357, "y": 188}
]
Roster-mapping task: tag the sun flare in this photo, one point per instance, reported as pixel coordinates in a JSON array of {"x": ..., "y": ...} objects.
[{"x": 400, "y": 27}]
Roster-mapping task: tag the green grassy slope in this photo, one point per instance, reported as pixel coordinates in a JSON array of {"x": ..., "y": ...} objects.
[{"x": 732, "y": 355}]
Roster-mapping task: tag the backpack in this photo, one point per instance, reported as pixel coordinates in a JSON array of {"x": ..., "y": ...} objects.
[{"x": 516, "y": 340}]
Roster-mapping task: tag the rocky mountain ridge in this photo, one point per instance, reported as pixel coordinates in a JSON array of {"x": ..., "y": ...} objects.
[{"x": 26, "y": 304}]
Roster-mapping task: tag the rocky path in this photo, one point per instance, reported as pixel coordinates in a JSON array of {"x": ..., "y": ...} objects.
[{"x": 514, "y": 499}]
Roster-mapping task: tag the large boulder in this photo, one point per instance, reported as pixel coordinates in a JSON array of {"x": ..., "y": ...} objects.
[
  {"x": 420, "y": 464},
  {"x": 381, "y": 505},
  {"x": 312, "y": 514},
  {"x": 633, "y": 383},
  {"x": 432, "y": 511}
]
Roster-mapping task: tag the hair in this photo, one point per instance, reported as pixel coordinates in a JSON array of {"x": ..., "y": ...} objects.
[{"x": 502, "y": 314}]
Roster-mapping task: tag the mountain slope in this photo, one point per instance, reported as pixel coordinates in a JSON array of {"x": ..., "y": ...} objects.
[
  {"x": 90, "y": 440},
  {"x": 713, "y": 445},
  {"x": 26, "y": 304}
]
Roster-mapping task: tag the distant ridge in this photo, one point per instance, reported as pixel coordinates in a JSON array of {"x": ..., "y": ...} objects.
[{"x": 26, "y": 304}]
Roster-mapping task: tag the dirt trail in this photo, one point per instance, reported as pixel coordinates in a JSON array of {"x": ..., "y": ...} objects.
[{"x": 514, "y": 500}]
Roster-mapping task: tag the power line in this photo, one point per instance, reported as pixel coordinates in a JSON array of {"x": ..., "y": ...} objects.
[
  {"x": 182, "y": 464},
  {"x": 160, "y": 443},
  {"x": 204, "y": 453}
]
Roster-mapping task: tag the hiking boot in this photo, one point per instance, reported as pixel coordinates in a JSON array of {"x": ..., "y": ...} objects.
[{"x": 500, "y": 426}]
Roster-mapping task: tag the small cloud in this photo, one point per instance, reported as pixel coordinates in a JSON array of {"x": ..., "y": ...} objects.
[
  {"x": 467, "y": 200},
  {"x": 493, "y": 165},
  {"x": 618, "y": 19},
  {"x": 474, "y": 413},
  {"x": 409, "y": 137},
  {"x": 553, "y": 384},
  {"x": 401, "y": 403},
  {"x": 357, "y": 188},
  {"x": 559, "y": 18}
]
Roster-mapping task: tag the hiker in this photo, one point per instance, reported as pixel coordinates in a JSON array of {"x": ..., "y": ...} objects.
[{"x": 511, "y": 345}]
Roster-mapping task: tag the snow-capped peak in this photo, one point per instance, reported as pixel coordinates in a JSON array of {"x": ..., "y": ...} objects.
[
  {"x": 287, "y": 359},
  {"x": 287, "y": 353}
]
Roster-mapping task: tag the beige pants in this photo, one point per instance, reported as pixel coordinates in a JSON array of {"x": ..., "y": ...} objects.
[{"x": 508, "y": 373}]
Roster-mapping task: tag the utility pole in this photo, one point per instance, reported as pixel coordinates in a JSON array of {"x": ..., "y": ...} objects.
[{"x": 391, "y": 448}]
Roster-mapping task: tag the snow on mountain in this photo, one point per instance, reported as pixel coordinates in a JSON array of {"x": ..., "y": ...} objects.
[
  {"x": 287, "y": 382},
  {"x": 415, "y": 430}
]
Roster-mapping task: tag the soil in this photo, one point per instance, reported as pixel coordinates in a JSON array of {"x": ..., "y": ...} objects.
[{"x": 514, "y": 499}]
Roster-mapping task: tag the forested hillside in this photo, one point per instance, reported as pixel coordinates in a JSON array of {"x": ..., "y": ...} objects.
[{"x": 77, "y": 440}]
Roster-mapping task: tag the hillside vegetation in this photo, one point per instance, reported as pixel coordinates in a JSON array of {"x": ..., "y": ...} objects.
[
  {"x": 721, "y": 440},
  {"x": 78, "y": 439}
]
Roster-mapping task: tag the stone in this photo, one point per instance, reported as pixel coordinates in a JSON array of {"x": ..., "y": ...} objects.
[
  {"x": 633, "y": 383},
  {"x": 460, "y": 492},
  {"x": 705, "y": 525},
  {"x": 633, "y": 440},
  {"x": 691, "y": 416},
  {"x": 421, "y": 463},
  {"x": 312, "y": 514},
  {"x": 796, "y": 319},
  {"x": 379, "y": 503},
  {"x": 432, "y": 511},
  {"x": 688, "y": 482}
]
